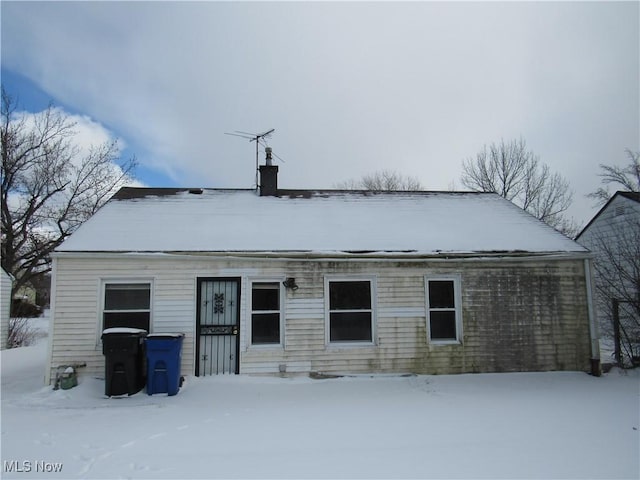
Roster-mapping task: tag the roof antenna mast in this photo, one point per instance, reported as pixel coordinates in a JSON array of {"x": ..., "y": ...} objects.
[{"x": 253, "y": 137}]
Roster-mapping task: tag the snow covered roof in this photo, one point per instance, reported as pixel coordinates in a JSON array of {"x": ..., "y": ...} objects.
[{"x": 351, "y": 222}]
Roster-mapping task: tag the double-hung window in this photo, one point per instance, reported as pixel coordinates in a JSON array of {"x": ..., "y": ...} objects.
[
  {"x": 265, "y": 313},
  {"x": 350, "y": 310},
  {"x": 127, "y": 305},
  {"x": 444, "y": 322}
]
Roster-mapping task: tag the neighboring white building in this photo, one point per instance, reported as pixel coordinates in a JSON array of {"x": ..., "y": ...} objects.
[
  {"x": 311, "y": 281},
  {"x": 613, "y": 235},
  {"x": 6, "y": 281}
]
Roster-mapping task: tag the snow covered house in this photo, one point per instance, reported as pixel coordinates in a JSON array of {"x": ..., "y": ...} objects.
[{"x": 299, "y": 281}]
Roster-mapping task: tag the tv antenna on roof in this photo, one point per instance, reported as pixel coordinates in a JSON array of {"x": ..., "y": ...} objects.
[{"x": 258, "y": 138}]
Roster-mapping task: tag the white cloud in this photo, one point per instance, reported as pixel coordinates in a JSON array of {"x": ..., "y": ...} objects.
[{"x": 86, "y": 134}]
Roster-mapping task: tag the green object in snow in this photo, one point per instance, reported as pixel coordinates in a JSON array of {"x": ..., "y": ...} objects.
[{"x": 68, "y": 379}]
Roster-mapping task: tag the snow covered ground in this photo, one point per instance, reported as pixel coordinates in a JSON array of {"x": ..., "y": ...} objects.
[{"x": 533, "y": 425}]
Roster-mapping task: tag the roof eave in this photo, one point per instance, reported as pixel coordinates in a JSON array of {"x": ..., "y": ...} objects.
[
  {"x": 334, "y": 255},
  {"x": 628, "y": 195}
]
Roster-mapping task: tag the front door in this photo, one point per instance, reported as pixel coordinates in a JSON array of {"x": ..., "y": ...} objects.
[{"x": 218, "y": 325}]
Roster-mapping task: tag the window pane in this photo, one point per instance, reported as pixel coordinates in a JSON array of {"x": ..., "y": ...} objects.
[
  {"x": 127, "y": 296},
  {"x": 265, "y": 296},
  {"x": 443, "y": 325},
  {"x": 441, "y": 294},
  {"x": 126, "y": 319},
  {"x": 350, "y": 295},
  {"x": 265, "y": 328},
  {"x": 352, "y": 326}
]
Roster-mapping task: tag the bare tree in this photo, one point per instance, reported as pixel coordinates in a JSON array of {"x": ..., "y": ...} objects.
[
  {"x": 625, "y": 178},
  {"x": 48, "y": 187},
  {"x": 617, "y": 261},
  {"x": 385, "y": 180},
  {"x": 617, "y": 278},
  {"x": 515, "y": 173}
]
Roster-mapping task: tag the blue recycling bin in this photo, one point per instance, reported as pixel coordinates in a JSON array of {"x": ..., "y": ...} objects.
[{"x": 164, "y": 351}]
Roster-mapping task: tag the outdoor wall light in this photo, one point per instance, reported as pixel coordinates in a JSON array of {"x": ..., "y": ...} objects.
[{"x": 290, "y": 282}]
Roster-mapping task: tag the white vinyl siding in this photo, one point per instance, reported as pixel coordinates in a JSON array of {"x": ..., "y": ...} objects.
[
  {"x": 510, "y": 323},
  {"x": 5, "y": 307}
]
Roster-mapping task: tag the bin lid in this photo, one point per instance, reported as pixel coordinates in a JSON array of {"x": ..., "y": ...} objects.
[
  {"x": 165, "y": 335},
  {"x": 127, "y": 330}
]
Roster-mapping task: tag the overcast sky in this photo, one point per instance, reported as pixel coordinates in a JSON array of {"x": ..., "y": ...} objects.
[{"x": 350, "y": 88}]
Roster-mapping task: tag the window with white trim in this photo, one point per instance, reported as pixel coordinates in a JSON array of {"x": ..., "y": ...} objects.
[
  {"x": 127, "y": 305},
  {"x": 265, "y": 313},
  {"x": 350, "y": 310},
  {"x": 444, "y": 322}
]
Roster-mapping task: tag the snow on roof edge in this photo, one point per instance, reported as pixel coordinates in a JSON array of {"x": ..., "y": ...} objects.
[{"x": 333, "y": 255}]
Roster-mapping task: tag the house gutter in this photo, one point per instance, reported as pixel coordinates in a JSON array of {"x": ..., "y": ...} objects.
[
  {"x": 336, "y": 256},
  {"x": 593, "y": 326}
]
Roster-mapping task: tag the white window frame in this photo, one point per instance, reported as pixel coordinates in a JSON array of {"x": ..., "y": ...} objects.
[
  {"x": 457, "y": 296},
  {"x": 281, "y": 292},
  {"x": 372, "y": 279},
  {"x": 110, "y": 281}
]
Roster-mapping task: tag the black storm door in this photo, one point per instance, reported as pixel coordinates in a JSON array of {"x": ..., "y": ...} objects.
[{"x": 218, "y": 326}]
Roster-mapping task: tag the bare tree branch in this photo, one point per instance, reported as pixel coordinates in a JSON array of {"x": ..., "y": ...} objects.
[
  {"x": 625, "y": 178},
  {"x": 515, "y": 173},
  {"x": 48, "y": 188},
  {"x": 385, "y": 180},
  {"x": 617, "y": 275}
]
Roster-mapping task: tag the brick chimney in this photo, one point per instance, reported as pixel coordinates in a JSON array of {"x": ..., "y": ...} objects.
[{"x": 268, "y": 177}]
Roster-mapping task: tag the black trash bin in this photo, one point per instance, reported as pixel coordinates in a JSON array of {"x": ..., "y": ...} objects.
[
  {"x": 164, "y": 351},
  {"x": 125, "y": 361}
]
